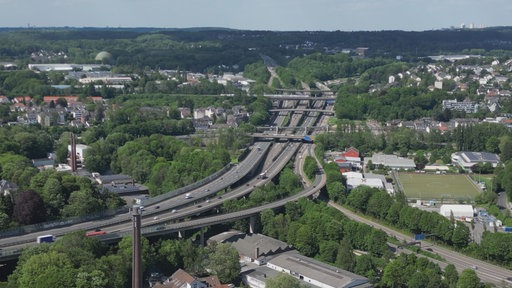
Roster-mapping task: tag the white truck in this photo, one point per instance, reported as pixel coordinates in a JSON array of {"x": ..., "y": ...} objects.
[{"x": 45, "y": 239}]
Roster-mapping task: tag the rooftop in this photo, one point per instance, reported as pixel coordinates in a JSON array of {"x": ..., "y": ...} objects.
[{"x": 313, "y": 269}]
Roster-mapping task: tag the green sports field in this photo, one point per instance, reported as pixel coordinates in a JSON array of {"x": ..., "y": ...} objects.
[{"x": 447, "y": 187}]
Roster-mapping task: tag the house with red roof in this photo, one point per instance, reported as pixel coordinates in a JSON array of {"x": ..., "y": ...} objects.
[
  {"x": 182, "y": 279},
  {"x": 4, "y": 99},
  {"x": 348, "y": 160},
  {"x": 22, "y": 99}
]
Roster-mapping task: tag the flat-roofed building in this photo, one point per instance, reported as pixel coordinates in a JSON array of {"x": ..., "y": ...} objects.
[
  {"x": 315, "y": 272},
  {"x": 392, "y": 161},
  {"x": 467, "y": 159}
]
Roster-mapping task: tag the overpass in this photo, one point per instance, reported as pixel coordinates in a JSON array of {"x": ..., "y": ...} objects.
[
  {"x": 263, "y": 136},
  {"x": 325, "y": 111},
  {"x": 318, "y": 184},
  {"x": 12, "y": 244},
  {"x": 124, "y": 226},
  {"x": 299, "y": 97}
]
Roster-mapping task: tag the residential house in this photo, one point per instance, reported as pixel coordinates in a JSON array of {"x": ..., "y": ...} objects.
[
  {"x": 4, "y": 100},
  {"x": 348, "y": 160},
  {"x": 7, "y": 188},
  {"x": 185, "y": 112},
  {"x": 199, "y": 113},
  {"x": 466, "y": 105},
  {"x": 202, "y": 123},
  {"x": 182, "y": 279}
]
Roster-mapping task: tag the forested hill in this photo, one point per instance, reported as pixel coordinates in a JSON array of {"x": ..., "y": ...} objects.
[{"x": 202, "y": 48}]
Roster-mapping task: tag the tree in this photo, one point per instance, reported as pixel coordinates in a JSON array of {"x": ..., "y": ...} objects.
[
  {"x": 28, "y": 208},
  {"x": 223, "y": 261},
  {"x": 53, "y": 196},
  {"x": 283, "y": 280},
  {"x": 82, "y": 202},
  {"x": 379, "y": 204},
  {"x": 336, "y": 192},
  {"x": 420, "y": 160},
  {"x": 328, "y": 251},
  {"x": 305, "y": 241},
  {"x": 345, "y": 258},
  {"x": 505, "y": 147},
  {"x": 193, "y": 257},
  {"x": 50, "y": 269},
  {"x": 468, "y": 279},
  {"x": 93, "y": 279},
  {"x": 170, "y": 252},
  {"x": 451, "y": 276},
  {"x": 359, "y": 197},
  {"x": 460, "y": 237}
]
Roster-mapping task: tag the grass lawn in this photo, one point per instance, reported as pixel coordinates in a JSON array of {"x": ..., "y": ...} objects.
[{"x": 450, "y": 187}]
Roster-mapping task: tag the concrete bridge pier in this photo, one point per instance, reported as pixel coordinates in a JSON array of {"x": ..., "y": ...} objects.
[
  {"x": 201, "y": 237},
  {"x": 252, "y": 223}
]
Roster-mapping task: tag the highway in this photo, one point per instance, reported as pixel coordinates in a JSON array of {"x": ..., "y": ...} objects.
[
  {"x": 167, "y": 205},
  {"x": 163, "y": 208},
  {"x": 485, "y": 271}
]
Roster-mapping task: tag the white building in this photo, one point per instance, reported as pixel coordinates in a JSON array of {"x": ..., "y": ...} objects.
[
  {"x": 459, "y": 211},
  {"x": 315, "y": 272},
  {"x": 467, "y": 159},
  {"x": 392, "y": 161}
]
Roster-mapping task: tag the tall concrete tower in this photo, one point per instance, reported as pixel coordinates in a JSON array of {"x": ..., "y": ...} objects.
[
  {"x": 72, "y": 153},
  {"x": 136, "y": 249}
]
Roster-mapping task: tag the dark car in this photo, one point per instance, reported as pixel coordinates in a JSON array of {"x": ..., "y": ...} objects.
[{"x": 157, "y": 207}]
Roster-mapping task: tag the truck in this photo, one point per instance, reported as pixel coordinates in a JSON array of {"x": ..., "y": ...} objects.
[
  {"x": 507, "y": 228},
  {"x": 95, "y": 233},
  {"x": 45, "y": 238},
  {"x": 308, "y": 138}
]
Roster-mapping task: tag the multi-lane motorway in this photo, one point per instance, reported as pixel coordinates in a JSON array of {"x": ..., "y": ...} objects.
[
  {"x": 485, "y": 271},
  {"x": 176, "y": 208}
]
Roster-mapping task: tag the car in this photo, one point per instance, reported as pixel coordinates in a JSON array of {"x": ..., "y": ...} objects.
[
  {"x": 429, "y": 249},
  {"x": 199, "y": 206},
  {"x": 220, "y": 197},
  {"x": 155, "y": 218},
  {"x": 141, "y": 208},
  {"x": 157, "y": 207},
  {"x": 474, "y": 267},
  {"x": 207, "y": 200}
]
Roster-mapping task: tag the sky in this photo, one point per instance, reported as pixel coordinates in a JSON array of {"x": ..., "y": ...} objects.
[{"x": 276, "y": 15}]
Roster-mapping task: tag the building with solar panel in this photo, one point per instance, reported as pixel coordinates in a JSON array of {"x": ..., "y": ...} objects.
[{"x": 466, "y": 160}]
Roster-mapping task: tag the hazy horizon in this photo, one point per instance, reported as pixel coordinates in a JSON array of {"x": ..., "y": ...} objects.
[{"x": 280, "y": 15}]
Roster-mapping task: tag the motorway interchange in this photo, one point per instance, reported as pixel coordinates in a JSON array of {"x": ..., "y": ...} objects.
[{"x": 167, "y": 216}]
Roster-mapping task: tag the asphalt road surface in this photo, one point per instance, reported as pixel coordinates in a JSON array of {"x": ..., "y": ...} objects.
[{"x": 485, "y": 271}]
